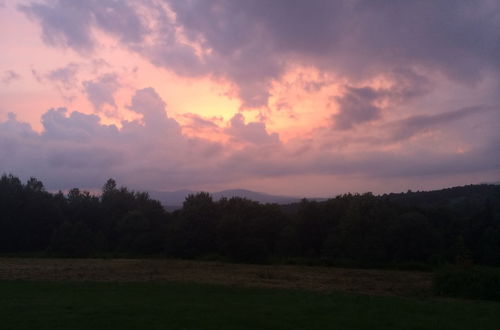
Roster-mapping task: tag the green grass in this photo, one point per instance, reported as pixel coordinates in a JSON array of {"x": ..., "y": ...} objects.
[{"x": 65, "y": 305}]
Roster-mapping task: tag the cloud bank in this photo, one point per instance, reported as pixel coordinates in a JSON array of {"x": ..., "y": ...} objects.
[
  {"x": 339, "y": 90},
  {"x": 76, "y": 149},
  {"x": 253, "y": 42}
]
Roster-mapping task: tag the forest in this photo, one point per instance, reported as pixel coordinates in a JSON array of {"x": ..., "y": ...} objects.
[{"x": 448, "y": 226}]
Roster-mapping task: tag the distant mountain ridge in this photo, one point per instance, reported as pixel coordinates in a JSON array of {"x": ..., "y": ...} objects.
[{"x": 174, "y": 199}]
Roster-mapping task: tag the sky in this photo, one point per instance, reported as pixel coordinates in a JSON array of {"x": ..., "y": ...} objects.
[{"x": 302, "y": 98}]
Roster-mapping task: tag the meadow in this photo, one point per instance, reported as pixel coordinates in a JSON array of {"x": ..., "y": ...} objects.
[
  {"x": 318, "y": 279},
  {"x": 91, "y": 305},
  {"x": 226, "y": 264},
  {"x": 181, "y": 294}
]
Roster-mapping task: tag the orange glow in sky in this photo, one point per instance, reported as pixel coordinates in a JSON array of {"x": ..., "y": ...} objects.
[{"x": 208, "y": 95}]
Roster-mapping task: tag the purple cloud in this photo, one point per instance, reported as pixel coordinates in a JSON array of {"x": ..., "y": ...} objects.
[
  {"x": 398, "y": 65},
  {"x": 408, "y": 127},
  {"x": 153, "y": 110},
  {"x": 75, "y": 149},
  {"x": 69, "y": 23},
  {"x": 357, "y": 105},
  {"x": 356, "y": 39},
  {"x": 9, "y": 76},
  {"x": 251, "y": 43},
  {"x": 253, "y": 132},
  {"x": 198, "y": 121},
  {"x": 100, "y": 91},
  {"x": 65, "y": 76}
]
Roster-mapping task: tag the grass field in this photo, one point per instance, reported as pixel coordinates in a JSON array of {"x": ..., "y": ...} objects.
[
  {"x": 89, "y": 305},
  {"x": 179, "y": 294},
  {"x": 320, "y": 279}
]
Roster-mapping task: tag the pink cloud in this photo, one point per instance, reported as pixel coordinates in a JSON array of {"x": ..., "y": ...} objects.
[{"x": 332, "y": 96}]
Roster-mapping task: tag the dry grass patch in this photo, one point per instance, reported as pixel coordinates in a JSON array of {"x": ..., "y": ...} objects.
[{"x": 322, "y": 279}]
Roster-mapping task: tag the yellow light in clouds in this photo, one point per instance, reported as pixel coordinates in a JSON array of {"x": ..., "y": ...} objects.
[
  {"x": 200, "y": 95},
  {"x": 302, "y": 100}
]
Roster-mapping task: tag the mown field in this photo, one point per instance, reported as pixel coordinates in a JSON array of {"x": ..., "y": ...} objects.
[
  {"x": 319, "y": 279},
  {"x": 170, "y": 294}
]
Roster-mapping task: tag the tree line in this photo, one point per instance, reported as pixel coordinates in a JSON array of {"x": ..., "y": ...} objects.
[{"x": 460, "y": 224}]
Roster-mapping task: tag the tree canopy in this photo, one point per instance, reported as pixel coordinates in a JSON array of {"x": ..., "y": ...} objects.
[{"x": 440, "y": 226}]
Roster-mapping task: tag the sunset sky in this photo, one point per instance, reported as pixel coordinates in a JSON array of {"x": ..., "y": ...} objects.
[{"x": 301, "y": 98}]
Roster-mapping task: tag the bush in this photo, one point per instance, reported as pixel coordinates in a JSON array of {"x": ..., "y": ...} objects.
[{"x": 468, "y": 282}]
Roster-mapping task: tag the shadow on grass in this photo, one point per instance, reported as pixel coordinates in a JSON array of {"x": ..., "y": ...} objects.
[{"x": 88, "y": 305}]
